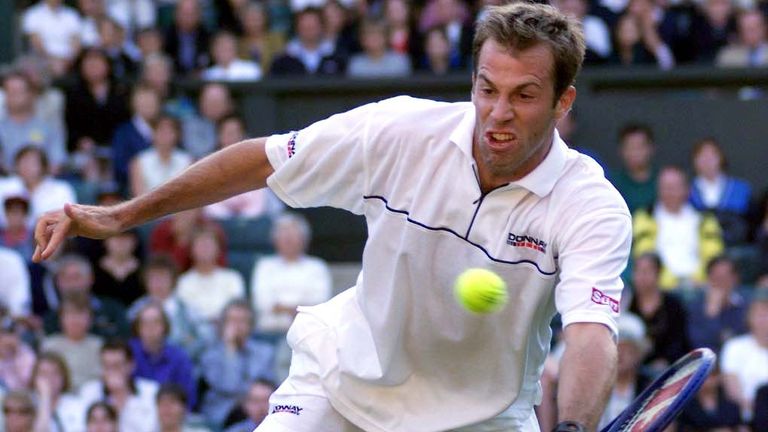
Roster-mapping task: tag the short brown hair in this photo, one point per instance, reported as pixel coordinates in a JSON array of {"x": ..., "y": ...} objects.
[
  {"x": 522, "y": 25},
  {"x": 60, "y": 363}
]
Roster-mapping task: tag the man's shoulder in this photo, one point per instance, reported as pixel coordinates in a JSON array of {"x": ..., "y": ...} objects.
[
  {"x": 584, "y": 181},
  {"x": 413, "y": 117}
]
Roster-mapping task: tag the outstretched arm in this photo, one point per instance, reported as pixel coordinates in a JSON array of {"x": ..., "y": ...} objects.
[{"x": 231, "y": 171}]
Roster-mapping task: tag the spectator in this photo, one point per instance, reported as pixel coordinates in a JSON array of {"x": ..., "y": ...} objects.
[
  {"x": 74, "y": 277},
  {"x": 377, "y": 60},
  {"x": 630, "y": 46},
  {"x": 16, "y": 357},
  {"x": 760, "y": 421},
  {"x": 186, "y": 41},
  {"x": 32, "y": 181},
  {"x": 164, "y": 160},
  {"x": 173, "y": 236},
  {"x": 596, "y": 33},
  {"x": 711, "y": 409},
  {"x": 309, "y": 53},
  {"x": 15, "y": 294},
  {"x": 75, "y": 344},
  {"x": 226, "y": 64},
  {"x": 662, "y": 313},
  {"x": 636, "y": 180},
  {"x": 684, "y": 238},
  {"x": 172, "y": 412},
  {"x": 713, "y": 190},
  {"x": 116, "y": 274},
  {"x": 159, "y": 277},
  {"x": 17, "y": 235},
  {"x": 340, "y": 32},
  {"x": 719, "y": 312},
  {"x": 751, "y": 46},
  {"x": 214, "y": 103},
  {"x": 135, "y": 135},
  {"x": 57, "y": 408},
  {"x": 49, "y": 100},
  {"x": 232, "y": 362},
  {"x": 133, "y": 15},
  {"x": 157, "y": 74},
  {"x": 229, "y": 13},
  {"x": 437, "y": 54},
  {"x": 258, "y": 43},
  {"x": 250, "y": 204},
  {"x": 290, "y": 278},
  {"x": 744, "y": 359},
  {"x": 454, "y": 16},
  {"x": 149, "y": 41},
  {"x": 133, "y": 398},
  {"x": 96, "y": 105},
  {"x": 92, "y": 12},
  {"x": 53, "y": 30},
  {"x": 716, "y": 28},
  {"x": 23, "y": 126},
  {"x": 101, "y": 417},
  {"x": 122, "y": 53},
  {"x": 651, "y": 19},
  {"x": 156, "y": 359},
  {"x": 255, "y": 405},
  {"x": 404, "y": 35},
  {"x": 207, "y": 287},
  {"x": 19, "y": 411}
]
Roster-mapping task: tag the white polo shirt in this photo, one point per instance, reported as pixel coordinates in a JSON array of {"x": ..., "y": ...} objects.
[
  {"x": 56, "y": 27},
  {"x": 399, "y": 353}
]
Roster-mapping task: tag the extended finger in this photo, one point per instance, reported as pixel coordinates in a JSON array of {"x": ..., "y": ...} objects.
[{"x": 58, "y": 236}]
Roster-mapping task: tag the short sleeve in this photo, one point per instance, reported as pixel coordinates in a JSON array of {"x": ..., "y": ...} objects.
[
  {"x": 730, "y": 357},
  {"x": 323, "y": 164},
  {"x": 593, "y": 254}
]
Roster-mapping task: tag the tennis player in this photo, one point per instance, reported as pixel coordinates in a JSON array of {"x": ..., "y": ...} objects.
[{"x": 444, "y": 187}]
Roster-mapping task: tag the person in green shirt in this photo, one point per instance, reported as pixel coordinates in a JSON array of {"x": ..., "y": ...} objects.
[{"x": 636, "y": 180}]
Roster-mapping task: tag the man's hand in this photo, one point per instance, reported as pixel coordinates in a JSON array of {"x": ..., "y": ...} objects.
[{"x": 74, "y": 220}]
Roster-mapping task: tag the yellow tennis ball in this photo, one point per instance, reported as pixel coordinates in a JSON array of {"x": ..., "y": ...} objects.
[{"x": 481, "y": 291}]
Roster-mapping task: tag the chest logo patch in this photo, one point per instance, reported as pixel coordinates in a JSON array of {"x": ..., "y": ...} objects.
[{"x": 526, "y": 241}]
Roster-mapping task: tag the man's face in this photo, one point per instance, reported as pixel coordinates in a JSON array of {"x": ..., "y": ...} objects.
[
  {"x": 19, "y": 417},
  {"x": 75, "y": 322},
  {"x": 215, "y": 102},
  {"x": 256, "y": 403},
  {"x": 116, "y": 369},
  {"x": 636, "y": 151},
  {"x": 723, "y": 276},
  {"x": 752, "y": 29},
  {"x": 513, "y": 94},
  {"x": 645, "y": 275},
  {"x": 309, "y": 28},
  {"x": 170, "y": 412},
  {"x": 73, "y": 279},
  {"x": 239, "y": 319},
  {"x": 18, "y": 95},
  {"x": 672, "y": 189}
]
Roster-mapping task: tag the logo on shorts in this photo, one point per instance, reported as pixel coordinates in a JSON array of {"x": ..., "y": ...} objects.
[
  {"x": 290, "y": 409},
  {"x": 526, "y": 241},
  {"x": 292, "y": 144},
  {"x": 600, "y": 298}
]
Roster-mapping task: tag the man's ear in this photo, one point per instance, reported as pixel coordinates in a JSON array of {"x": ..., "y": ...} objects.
[{"x": 565, "y": 102}]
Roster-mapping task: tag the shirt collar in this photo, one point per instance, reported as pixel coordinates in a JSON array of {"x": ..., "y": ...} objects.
[{"x": 462, "y": 134}]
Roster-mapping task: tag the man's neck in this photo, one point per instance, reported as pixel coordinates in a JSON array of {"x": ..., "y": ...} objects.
[{"x": 20, "y": 116}]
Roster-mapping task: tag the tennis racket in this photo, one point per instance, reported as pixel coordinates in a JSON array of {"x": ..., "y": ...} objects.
[{"x": 663, "y": 400}]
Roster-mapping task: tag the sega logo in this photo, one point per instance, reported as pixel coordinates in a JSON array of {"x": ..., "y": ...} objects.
[{"x": 601, "y": 298}]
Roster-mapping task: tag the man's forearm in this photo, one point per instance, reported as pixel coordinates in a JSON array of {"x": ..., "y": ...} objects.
[
  {"x": 231, "y": 171},
  {"x": 587, "y": 373}
]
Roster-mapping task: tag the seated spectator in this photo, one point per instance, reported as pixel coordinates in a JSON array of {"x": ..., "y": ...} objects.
[
  {"x": 74, "y": 277},
  {"x": 58, "y": 407},
  {"x": 255, "y": 406},
  {"x": 15, "y": 293},
  {"x": 309, "y": 53},
  {"x": 49, "y": 105},
  {"x": 258, "y": 43},
  {"x": 662, "y": 313},
  {"x": 744, "y": 358},
  {"x": 760, "y": 420},
  {"x": 637, "y": 43},
  {"x": 455, "y": 17},
  {"x": 214, "y": 103},
  {"x": 16, "y": 357},
  {"x": 96, "y": 104},
  {"x": 101, "y": 417},
  {"x": 750, "y": 48},
  {"x": 132, "y": 398},
  {"x": 17, "y": 235},
  {"x": 207, "y": 287},
  {"x": 718, "y": 312},
  {"x": 233, "y": 361},
  {"x": 122, "y": 53},
  {"x": 159, "y": 277},
  {"x": 597, "y": 36},
  {"x": 33, "y": 181},
  {"x": 377, "y": 60},
  {"x": 341, "y": 31},
  {"x": 149, "y": 41},
  {"x": 713, "y": 190},
  {"x": 249, "y": 204},
  {"x": 711, "y": 409},
  {"x": 18, "y": 411},
  {"x": 636, "y": 180},
  {"x": 24, "y": 126},
  {"x": 226, "y": 64},
  {"x": 630, "y": 380},
  {"x": 437, "y": 54},
  {"x": 173, "y": 236},
  {"x": 289, "y": 279},
  {"x": 157, "y": 74},
  {"x": 133, "y": 15},
  {"x": 684, "y": 238},
  {"x": 53, "y": 30},
  {"x": 717, "y": 27},
  {"x": 135, "y": 135},
  {"x": 404, "y": 37},
  {"x": 117, "y": 273},
  {"x": 156, "y": 359},
  {"x": 91, "y": 11},
  {"x": 164, "y": 160},
  {"x": 172, "y": 411},
  {"x": 74, "y": 344},
  {"x": 186, "y": 40}
]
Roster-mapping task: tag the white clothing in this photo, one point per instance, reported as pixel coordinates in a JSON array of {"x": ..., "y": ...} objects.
[
  {"x": 711, "y": 191},
  {"x": 597, "y": 35},
  {"x": 140, "y": 411},
  {"x": 743, "y": 357},
  {"x": 155, "y": 171},
  {"x": 50, "y": 194},
  {"x": 238, "y": 70},
  {"x": 207, "y": 294},
  {"x": 57, "y": 28},
  {"x": 678, "y": 239},
  {"x": 305, "y": 282},
  {"x": 14, "y": 283},
  {"x": 69, "y": 414},
  {"x": 399, "y": 353},
  {"x": 133, "y": 14}
]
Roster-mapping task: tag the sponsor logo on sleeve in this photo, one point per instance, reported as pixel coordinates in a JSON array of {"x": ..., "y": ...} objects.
[
  {"x": 291, "y": 147},
  {"x": 290, "y": 409},
  {"x": 601, "y": 298}
]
